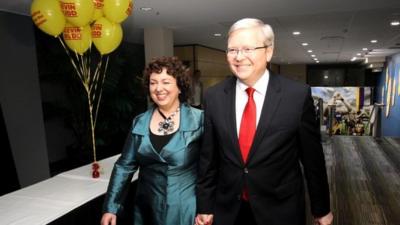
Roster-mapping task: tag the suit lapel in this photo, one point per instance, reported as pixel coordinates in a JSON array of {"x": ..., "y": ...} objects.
[
  {"x": 142, "y": 128},
  {"x": 230, "y": 118},
  {"x": 271, "y": 103},
  {"x": 178, "y": 141}
]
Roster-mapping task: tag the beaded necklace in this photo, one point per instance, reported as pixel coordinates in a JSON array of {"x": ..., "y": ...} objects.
[{"x": 167, "y": 125}]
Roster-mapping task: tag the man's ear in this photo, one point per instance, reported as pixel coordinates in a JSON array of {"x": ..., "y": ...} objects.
[{"x": 270, "y": 52}]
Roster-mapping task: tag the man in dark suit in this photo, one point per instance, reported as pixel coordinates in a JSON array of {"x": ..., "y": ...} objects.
[{"x": 259, "y": 129}]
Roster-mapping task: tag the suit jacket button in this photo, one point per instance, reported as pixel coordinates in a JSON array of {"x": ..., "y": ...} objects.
[{"x": 246, "y": 170}]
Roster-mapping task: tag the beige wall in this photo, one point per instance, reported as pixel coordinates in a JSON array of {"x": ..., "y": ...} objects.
[
  {"x": 211, "y": 62},
  {"x": 294, "y": 71},
  {"x": 185, "y": 53},
  {"x": 158, "y": 42}
]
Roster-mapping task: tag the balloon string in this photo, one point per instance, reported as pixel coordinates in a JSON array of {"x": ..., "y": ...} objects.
[
  {"x": 82, "y": 58},
  {"x": 96, "y": 74},
  {"x": 88, "y": 61},
  {"x": 101, "y": 90},
  {"x": 71, "y": 59},
  {"x": 95, "y": 84},
  {"x": 84, "y": 75},
  {"x": 90, "y": 104},
  {"x": 80, "y": 61},
  {"x": 91, "y": 101}
]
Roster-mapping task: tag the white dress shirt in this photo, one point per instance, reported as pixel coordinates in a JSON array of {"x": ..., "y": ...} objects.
[{"x": 241, "y": 98}]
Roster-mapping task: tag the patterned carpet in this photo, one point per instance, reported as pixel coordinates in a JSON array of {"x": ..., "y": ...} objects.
[{"x": 364, "y": 176}]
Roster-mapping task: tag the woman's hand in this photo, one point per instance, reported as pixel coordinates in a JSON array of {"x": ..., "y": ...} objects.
[
  {"x": 204, "y": 219},
  {"x": 108, "y": 219}
]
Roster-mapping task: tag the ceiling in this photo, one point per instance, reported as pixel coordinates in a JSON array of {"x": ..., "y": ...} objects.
[{"x": 335, "y": 30}]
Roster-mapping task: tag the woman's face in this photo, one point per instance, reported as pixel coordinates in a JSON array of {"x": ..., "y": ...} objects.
[{"x": 164, "y": 90}]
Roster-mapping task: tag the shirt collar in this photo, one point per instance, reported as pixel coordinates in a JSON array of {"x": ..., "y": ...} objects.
[{"x": 260, "y": 86}]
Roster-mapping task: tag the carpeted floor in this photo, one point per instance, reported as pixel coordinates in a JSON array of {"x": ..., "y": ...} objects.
[{"x": 364, "y": 176}]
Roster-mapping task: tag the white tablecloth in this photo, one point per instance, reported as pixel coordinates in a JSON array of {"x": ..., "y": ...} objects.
[{"x": 50, "y": 199}]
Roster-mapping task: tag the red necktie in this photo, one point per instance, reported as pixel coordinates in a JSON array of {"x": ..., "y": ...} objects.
[
  {"x": 247, "y": 131},
  {"x": 247, "y": 125}
]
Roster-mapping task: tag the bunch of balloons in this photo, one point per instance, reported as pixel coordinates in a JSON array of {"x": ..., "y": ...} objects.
[{"x": 82, "y": 22}]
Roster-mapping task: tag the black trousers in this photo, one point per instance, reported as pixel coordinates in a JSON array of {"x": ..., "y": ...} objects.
[{"x": 245, "y": 215}]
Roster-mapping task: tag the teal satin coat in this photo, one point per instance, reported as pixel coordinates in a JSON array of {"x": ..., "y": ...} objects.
[{"x": 165, "y": 192}]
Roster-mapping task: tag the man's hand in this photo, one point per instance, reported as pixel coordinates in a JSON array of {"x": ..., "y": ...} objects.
[
  {"x": 325, "y": 220},
  {"x": 108, "y": 219},
  {"x": 204, "y": 219}
]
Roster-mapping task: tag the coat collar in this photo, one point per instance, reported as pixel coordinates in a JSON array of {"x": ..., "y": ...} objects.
[
  {"x": 270, "y": 106},
  {"x": 187, "y": 116},
  {"x": 230, "y": 118},
  {"x": 271, "y": 102},
  {"x": 273, "y": 83}
]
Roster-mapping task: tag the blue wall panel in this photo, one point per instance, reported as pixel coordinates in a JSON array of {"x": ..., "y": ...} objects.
[{"x": 390, "y": 123}]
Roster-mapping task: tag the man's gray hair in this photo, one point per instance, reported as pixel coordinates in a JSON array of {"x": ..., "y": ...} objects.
[{"x": 251, "y": 23}]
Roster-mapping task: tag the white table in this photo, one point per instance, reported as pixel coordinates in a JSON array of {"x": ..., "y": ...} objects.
[{"x": 50, "y": 199}]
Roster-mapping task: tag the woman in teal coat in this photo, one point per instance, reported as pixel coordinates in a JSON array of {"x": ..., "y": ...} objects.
[{"x": 164, "y": 145}]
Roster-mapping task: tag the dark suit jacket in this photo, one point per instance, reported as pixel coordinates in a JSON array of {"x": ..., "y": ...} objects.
[{"x": 287, "y": 134}]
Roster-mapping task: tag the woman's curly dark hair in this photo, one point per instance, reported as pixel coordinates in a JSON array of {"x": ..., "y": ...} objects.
[{"x": 174, "y": 68}]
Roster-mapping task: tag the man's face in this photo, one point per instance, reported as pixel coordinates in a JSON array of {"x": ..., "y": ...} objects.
[{"x": 248, "y": 67}]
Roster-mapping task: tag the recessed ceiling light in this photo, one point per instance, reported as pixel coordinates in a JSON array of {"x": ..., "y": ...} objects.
[
  {"x": 146, "y": 8},
  {"x": 371, "y": 65},
  {"x": 304, "y": 44},
  {"x": 296, "y": 33},
  {"x": 376, "y": 53},
  {"x": 326, "y": 76},
  {"x": 309, "y": 51},
  {"x": 395, "y": 23},
  {"x": 217, "y": 35},
  {"x": 313, "y": 56},
  {"x": 358, "y": 54},
  {"x": 317, "y": 61},
  {"x": 377, "y": 70},
  {"x": 374, "y": 41},
  {"x": 353, "y": 59},
  {"x": 365, "y": 49}
]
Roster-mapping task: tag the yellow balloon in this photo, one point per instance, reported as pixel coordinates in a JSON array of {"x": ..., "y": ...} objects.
[
  {"x": 47, "y": 15},
  {"x": 98, "y": 9},
  {"x": 78, "y": 39},
  {"x": 117, "y": 10},
  {"x": 106, "y": 35},
  {"x": 78, "y": 12}
]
